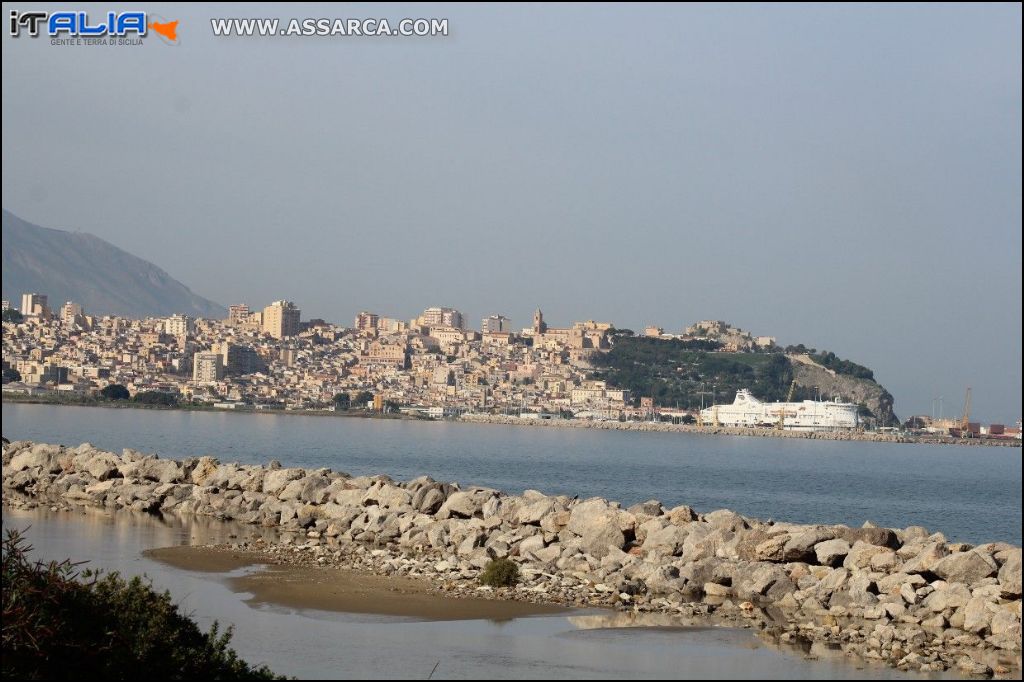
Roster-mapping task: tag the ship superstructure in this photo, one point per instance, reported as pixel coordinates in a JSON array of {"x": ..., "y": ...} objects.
[{"x": 807, "y": 415}]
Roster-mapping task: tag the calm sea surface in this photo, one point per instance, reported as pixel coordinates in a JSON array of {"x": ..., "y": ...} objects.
[{"x": 972, "y": 494}]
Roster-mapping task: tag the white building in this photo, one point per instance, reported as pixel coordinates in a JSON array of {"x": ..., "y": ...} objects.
[
  {"x": 441, "y": 317},
  {"x": 178, "y": 325}
]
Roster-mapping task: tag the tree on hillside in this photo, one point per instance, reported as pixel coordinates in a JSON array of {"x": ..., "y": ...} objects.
[
  {"x": 12, "y": 315},
  {"x": 342, "y": 401},
  {"x": 115, "y": 392},
  {"x": 156, "y": 398},
  {"x": 362, "y": 398}
]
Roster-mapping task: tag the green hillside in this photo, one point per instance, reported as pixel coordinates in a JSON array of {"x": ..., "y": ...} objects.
[{"x": 675, "y": 373}]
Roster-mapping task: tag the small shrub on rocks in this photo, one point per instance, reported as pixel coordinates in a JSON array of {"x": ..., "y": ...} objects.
[{"x": 500, "y": 573}]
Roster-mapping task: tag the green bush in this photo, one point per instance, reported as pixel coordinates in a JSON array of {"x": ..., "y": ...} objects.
[
  {"x": 156, "y": 398},
  {"x": 115, "y": 392},
  {"x": 59, "y": 623},
  {"x": 500, "y": 573}
]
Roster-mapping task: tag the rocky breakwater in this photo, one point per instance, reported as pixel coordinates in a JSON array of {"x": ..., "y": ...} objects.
[{"x": 904, "y": 596}]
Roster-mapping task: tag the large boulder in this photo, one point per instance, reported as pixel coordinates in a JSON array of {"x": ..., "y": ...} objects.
[
  {"x": 756, "y": 580},
  {"x": 703, "y": 542},
  {"x": 465, "y": 504},
  {"x": 831, "y": 552},
  {"x": 681, "y": 515},
  {"x": 589, "y": 513},
  {"x": 101, "y": 466},
  {"x": 978, "y": 614},
  {"x": 204, "y": 468},
  {"x": 153, "y": 469},
  {"x": 598, "y": 525},
  {"x": 860, "y": 554},
  {"x": 534, "y": 512},
  {"x": 1009, "y": 575},
  {"x": 772, "y": 549},
  {"x": 430, "y": 500},
  {"x": 947, "y": 596},
  {"x": 346, "y": 497},
  {"x": 236, "y": 477},
  {"x": 275, "y": 480},
  {"x": 927, "y": 556},
  {"x": 965, "y": 567},
  {"x": 668, "y": 540},
  {"x": 658, "y": 578},
  {"x": 309, "y": 489},
  {"x": 602, "y": 538},
  {"x": 883, "y": 537},
  {"x": 725, "y": 519},
  {"x": 835, "y": 579},
  {"x": 39, "y": 456},
  {"x": 388, "y": 496},
  {"x": 800, "y": 547},
  {"x": 649, "y": 526}
]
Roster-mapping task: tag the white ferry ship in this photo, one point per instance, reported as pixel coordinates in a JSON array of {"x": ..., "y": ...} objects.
[{"x": 809, "y": 415}]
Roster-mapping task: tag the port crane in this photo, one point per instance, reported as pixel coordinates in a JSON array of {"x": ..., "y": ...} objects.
[
  {"x": 965, "y": 420},
  {"x": 782, "y": 410}
]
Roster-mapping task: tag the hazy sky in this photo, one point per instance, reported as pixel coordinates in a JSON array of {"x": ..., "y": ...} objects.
[{"x": 846, "y": 177}]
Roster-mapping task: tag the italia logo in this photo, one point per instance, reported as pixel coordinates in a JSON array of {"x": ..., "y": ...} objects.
[{"x": 81, "y": 25}]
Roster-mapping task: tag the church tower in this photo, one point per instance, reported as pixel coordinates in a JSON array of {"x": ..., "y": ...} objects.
[{"x": 538, "y": 322}]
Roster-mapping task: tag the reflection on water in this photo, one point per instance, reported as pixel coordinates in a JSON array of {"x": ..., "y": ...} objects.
[{"x": 319, "y": 644}]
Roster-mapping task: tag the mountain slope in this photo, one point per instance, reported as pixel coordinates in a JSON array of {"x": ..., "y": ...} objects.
[{"x": 79, "y": 267}]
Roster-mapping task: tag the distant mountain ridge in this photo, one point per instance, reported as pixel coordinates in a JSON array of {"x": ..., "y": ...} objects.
[{"x": 80, "y": 267}]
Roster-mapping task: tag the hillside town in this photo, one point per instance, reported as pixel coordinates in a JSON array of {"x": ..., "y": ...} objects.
[
  {"x": 270, "y": 358},
  {"x": 431, "y": 366}
]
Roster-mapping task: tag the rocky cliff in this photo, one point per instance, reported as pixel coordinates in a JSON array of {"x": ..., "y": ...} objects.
[{"x": 809, "y": 374}]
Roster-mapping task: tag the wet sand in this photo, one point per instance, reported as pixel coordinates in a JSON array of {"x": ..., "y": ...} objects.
[
  {"x": 201, "y": 559},
  {"x": 340, "y": 590}
]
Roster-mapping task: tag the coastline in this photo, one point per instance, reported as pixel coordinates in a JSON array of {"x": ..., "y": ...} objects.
[
  {"x": 903, "y": 596},
  {"x": 751, "y": 432},
  {"x": 658, "y": 427}
]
